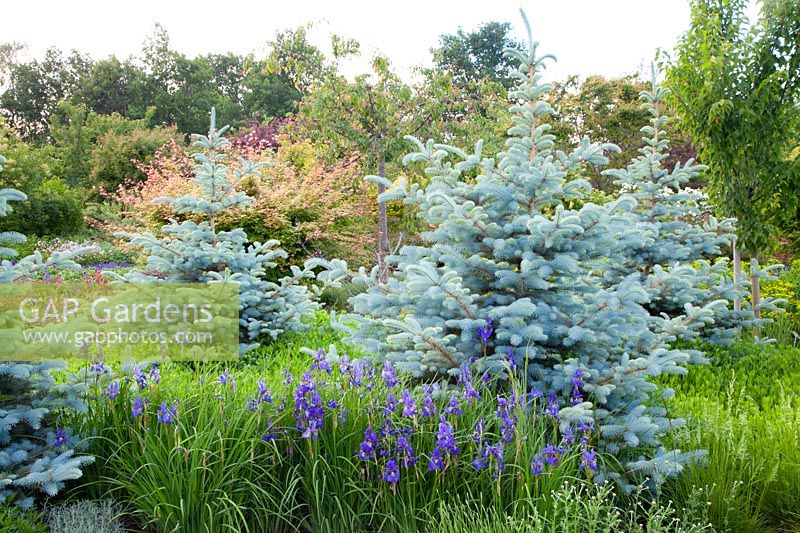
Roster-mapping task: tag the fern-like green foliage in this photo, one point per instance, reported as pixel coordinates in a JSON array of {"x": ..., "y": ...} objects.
[
  {"x": 194, "y": 251},
  {"x": 510, "y": 274},
  {"x": 35, "y": 457}
]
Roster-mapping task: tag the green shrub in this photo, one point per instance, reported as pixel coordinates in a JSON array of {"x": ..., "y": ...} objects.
[
  {"x": 118, "y": 158},
  {"x": 52, "y": 209}
]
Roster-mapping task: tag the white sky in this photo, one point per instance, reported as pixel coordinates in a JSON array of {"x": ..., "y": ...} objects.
[{"x": 609, "y": 37}]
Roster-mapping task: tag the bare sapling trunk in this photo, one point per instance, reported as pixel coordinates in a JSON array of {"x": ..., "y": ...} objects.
[
  {"x": 755, "y": 287},
  {"x": 737, "y": 272},
  {"x": 383, "y": 226}
]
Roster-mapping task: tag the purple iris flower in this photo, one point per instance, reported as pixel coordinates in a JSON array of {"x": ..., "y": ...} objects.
[
  {"x": 369, "y": 445},
  {"x": 112, "y": 390},
  {"x": 139, "y": 377},
  {"x": 155, "y": 375},
  {"x": 137, "y": 407},
  {"x": 389, "y": 374},
  {"x": 589, "y": 459},
  {"x": 61, "y": 438},
  {"x": 167, "y": 414},
  {"x": 391, "y": 472},
  {"x": 409, "y": 406},
  {"x": 485, "y": 331}
]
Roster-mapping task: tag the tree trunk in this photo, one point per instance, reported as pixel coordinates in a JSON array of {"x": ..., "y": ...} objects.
[
  {"x": 755, "y": 287},
  {"x": 737, "y": 272},
  {"x": 383, "y": 225}
]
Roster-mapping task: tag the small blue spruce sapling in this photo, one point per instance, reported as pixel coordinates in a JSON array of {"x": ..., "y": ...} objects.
[
  {"x": 680, "y": 237},
  {"x": 35, "y": 457},
  {"x": 195, "y": 251}
]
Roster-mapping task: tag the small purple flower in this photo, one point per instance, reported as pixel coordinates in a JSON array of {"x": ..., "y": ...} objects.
[
  {"x": 589, "y": 459},
  {"x": 288, "y": 379},
  {"x": 308, "y": 408},
  {"x": 321, "y": 362},
  {"x": 369, "y": 445},
  {"x": 61, "y": 438},
  {"x": 345, "y": 366},
  {"x": 269, "y": 435},
  {"x": 577, "y": 378},
  {"x": 252, "y": 404},
  {"x": 511, "y": 358},
  {"x": 553, "y": 408},
  {"x": 508, "y": 421},
  {"x": 333, "y": 404},
  {"x": 97, "y": 367},
  {"x": 139, "y": 377},
  {"x": 465, "y": 379},
  {"x": 436, "y": 461},
  {"x": 495, "y": 452},
  {"x": 551, "y": 455},
  {"x": 391, "y": 472},
  {"x": 166, "y": 414},
  {"x": 264, "y": 394},
  {"x": 389, "y": 374},
  {"x": 477, "y": 435},
  {"x": 155, "y": 375},
  {"x": 405, "y": 451},
  {"x": 225, "y": 378},
  {"x": 485, "y": 377},
  {"x": 112, "y": 390},
  {"x": 391, "y": 404},
  {"x": 485, "y": 331},
  {"x": 537, "y": 466},
  {"x": 137, "y": 407},
  {"x": 445, "y": 437},
  {"x": 428, "y": 405},
  {"x": 409, "y": 406},
  {"x": 453, "y": 408},
  {"x": 568, "y": 437},
  {"x": 356, "y": 374}
]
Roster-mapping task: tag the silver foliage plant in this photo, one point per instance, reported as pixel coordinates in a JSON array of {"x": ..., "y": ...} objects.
[{"x": 509, "y": 272}]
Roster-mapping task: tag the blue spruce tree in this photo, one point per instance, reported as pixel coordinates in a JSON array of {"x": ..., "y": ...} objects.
[
  {"x": 680, "y": 236},
  {"x": 194, "y": 251},
  {"x": 510, "y": 277},
  {"x": 34, "y": 456}
]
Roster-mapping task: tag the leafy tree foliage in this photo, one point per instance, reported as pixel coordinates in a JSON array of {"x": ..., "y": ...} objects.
[
  {"x": 607, "y": 110},
  {"x": 368, "y": 115},
  {"x": 736, "y": 91},
  {"x": 104, "y": 151},
  {"x": 295, "y": 59},
  {"x": 162, "y": 86},
  {"x": 35, "y": 89},
  {"x": 477, "y": 55}
]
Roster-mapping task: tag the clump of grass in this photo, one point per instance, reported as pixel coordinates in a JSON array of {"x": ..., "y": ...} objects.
[
  {"x": 209, "y": 449},
  {"x": 744, "y": 410}
]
